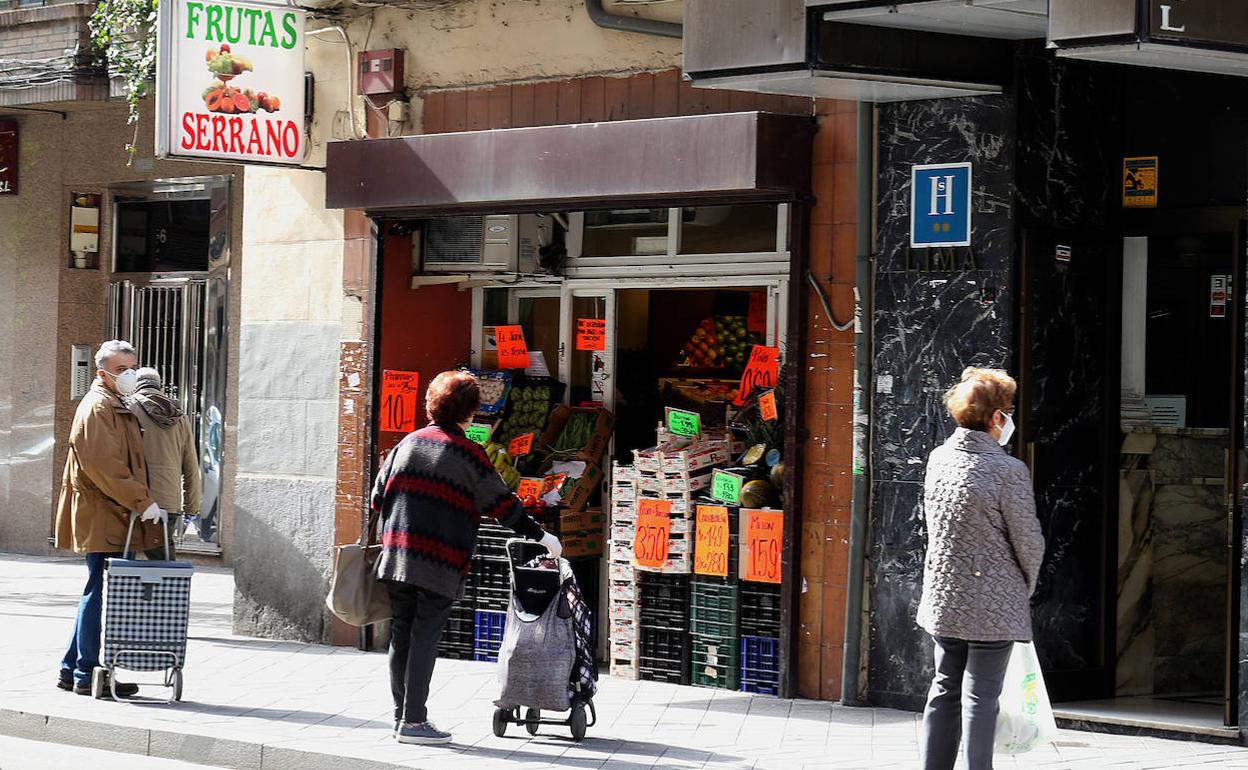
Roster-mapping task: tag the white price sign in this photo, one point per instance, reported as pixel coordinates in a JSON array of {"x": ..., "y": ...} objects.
[{"x": 229, "y": 83}]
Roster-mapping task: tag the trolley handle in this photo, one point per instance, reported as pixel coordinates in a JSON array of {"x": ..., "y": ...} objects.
[{"x": 126, "y": 552}]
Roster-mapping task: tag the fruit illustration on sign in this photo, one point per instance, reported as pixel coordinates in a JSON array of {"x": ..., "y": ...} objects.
[{"x": 220, "y": 96}]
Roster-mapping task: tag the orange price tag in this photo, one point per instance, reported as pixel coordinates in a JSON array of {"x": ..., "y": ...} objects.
[
  {"x": 756, "y": 321},
  {"x": 710, "y": 553},
  {"x": 520, "y": 445},
  {"x": 513, "y": 351},
  {"x": 552, "y": 482},
  {"x": 767, "y": 406},
  {"x": 529, "y": 489},
  {"x": 761, "y": 371},
  {"x": 400, "y": 399},
  {"x": 650, "y": 540},
  {"x": 591, "y": 334},
  {"x": 764, "y": 532}
]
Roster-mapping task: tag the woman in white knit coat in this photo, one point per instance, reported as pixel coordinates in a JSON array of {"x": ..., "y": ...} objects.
[{"x": 984, "y": 549}]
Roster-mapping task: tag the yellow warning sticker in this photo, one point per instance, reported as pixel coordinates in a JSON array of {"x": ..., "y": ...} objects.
[{"x": 1139, "y": 182}]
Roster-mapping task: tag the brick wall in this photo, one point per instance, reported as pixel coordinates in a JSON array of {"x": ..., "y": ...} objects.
[{"x": 39, "y": 47}]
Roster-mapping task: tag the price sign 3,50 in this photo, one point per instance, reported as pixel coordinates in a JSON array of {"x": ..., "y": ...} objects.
[{"x": 650, "y": 540}]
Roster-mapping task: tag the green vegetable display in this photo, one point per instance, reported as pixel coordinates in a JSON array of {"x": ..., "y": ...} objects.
[
  {"x": 530, "y": 406},
  {"x": 576, "y": 432},
  {"x": 502, "y": 463}
]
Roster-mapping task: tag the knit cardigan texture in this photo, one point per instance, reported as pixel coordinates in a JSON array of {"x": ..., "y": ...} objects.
[
  {"x": 984, "y": 544},
  {"x": 431, "y": 493}
]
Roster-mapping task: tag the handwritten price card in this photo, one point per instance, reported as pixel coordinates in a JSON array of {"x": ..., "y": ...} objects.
[
  {"x": 683, "y": 423},
  {"x": 726, "y": 487},
  {"x": 761, "y": 371},
  {"x": 529, "y": 489},
  {"x": 478, "y": 432},
  {"x": 591, "y": 334},
  {"x": 710, "y": 553},
  {"x": 513, "y": 351},
  {"x": 400, "y": 396},
  {"x": 520, "y": 445},
  {"x": 767, "y": 406},
  {"x": 764, "y": 534},
  {"x": 650, "y": 540}
]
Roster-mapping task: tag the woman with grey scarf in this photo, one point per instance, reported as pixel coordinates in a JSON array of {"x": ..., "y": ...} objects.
[{"x": 169, "y": 447}]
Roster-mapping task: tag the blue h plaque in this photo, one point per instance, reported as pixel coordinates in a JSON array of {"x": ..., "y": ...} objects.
[{"x": 940, "y": 205}]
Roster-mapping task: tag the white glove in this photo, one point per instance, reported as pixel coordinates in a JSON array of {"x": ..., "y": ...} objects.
[
  {"x": 552, "y": 544},
  {"x": 154, "y": 513}
]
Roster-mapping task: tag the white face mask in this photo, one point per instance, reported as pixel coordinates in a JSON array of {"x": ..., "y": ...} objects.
[
  {"x": 1007, "y": 430},
  {"x": 126, "y": 382}
]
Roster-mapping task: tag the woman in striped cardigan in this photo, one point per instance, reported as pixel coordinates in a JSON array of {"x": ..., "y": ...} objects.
[{"x": 432, "y": 491}]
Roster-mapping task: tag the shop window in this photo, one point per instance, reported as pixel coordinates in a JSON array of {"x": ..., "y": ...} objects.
[
  {"x": 625, "y": 232},
  {"x": 740, "y": 229},
  {"x": 162, "y": 236}
]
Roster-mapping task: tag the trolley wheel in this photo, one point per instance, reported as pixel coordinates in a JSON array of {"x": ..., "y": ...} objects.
[
  {"x": 500, "y": 722},
  {"x": 576, "y": 721},
  {"x": 177, "y": 684},
  {"x": 97, "y": 682},
  {"x": 531, "y": 719}
]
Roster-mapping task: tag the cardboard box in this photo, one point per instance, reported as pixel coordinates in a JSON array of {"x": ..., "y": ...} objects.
[
  {"x": 588, "y": 520},
  {"x": 577, "y": 544},
  {"x": 600, "y": 437},
  {"x": 589, "y": 485}
]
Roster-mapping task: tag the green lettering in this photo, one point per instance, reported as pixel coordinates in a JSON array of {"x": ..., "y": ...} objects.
[
  {"x": 288, "y": 26},
  {"x": 214, "y": 24},
  {"x": 192, "y": 18},
  {"x": 269, "y": 33},
  {"x": 233, "y": 24},
  {"x": 252, "y": 15}
]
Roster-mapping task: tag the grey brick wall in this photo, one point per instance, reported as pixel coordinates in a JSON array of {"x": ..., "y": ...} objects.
[{"x": 45, "y": 53}]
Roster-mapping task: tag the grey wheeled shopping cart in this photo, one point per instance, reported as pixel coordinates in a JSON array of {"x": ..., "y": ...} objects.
[
  {"x": 146, "y": 611},
  {"x": 546, "y": 661}
]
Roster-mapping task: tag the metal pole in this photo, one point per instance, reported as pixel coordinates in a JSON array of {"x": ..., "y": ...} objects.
[{"x": 861, "y": 511}]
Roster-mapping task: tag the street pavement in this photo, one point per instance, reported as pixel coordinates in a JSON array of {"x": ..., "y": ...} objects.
[
  {"x": 19, "y": 754},
  {"x": 258, "y": 704}
]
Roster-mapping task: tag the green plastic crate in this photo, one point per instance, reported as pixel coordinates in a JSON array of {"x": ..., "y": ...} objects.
[
  {"x": 714, "y": 610},
  {"x": 715, "y": 662}
]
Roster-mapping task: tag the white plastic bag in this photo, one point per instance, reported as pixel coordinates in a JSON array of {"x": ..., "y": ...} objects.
[{"x": 1025, "y": 719}]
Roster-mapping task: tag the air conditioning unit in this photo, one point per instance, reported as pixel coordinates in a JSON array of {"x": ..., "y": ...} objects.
[{"x": 500, "y": 243}]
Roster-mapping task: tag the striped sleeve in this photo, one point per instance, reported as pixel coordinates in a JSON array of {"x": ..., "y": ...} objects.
[{"x": 494, "y": 500}]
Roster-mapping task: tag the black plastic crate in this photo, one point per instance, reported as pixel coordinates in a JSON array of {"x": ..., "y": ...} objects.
[
  {"x": 715, "y": 661},
  {"x": 714, "y": 609},
  {"x": 458, "y": 631},
  {"x": 492, "y": 541},
  {"x": 760, "y": 609},
  {"x": 664, "y": 655},
  {"x": 663, "y": 600},
  {"x": 491, "y": 584}
]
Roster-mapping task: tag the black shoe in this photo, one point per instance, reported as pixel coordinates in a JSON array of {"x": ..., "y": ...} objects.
[
  {"x": 65, "y": 684},
  {"x": 124, "y": 689}
]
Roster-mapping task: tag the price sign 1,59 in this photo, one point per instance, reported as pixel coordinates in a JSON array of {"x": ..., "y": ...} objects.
[
  {"x": 650, "y": 540},
  {"x": 764, "y": 533}
]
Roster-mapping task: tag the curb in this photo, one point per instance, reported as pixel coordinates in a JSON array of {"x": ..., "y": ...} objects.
[{"x": 165, "y": 744}]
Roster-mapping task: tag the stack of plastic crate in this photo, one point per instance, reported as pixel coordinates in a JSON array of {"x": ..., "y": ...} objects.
[
  {"x": 664, "y": 639},
  {"x": 487, "y": 636},
  {"x": 622, "y": 592},
  {"x": 714, "y": 622},
  {"x": 458, "y": 635},
  {"x": 490, "y": 579},
  {"x": 760, "y": 638}
]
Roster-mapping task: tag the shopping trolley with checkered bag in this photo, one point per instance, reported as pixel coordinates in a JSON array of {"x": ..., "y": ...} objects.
[{"x": 146, "y": 609}]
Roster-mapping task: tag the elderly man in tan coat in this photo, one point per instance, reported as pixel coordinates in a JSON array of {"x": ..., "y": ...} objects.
[
  {"x": 105, "y": 481},
  {"x": 169, "y": 447}
]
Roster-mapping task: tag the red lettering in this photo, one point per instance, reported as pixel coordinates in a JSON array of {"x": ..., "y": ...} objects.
[
  {"x": 236, "y": 135},
  {"x": 255, "y": 146},
  {"x": 218, "y": 133},
  {"x": 273, "y": 137},
  {"x": 188, "y": 131},
  {"x": 201, "y": 132},
  {"x": 290, "y": 139}
]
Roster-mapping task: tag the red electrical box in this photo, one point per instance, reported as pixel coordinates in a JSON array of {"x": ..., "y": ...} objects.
[{"x": 381, "y": 72}]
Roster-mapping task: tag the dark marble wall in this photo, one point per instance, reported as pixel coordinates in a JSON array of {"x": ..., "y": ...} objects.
[{"x": 929, "y": 325}]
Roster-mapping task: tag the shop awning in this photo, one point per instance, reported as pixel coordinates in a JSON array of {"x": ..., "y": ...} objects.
[{"x": 702, "y": 158}]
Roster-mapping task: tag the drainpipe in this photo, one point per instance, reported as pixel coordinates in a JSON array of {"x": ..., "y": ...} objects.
[
  {"x": 861, "y": 510},
  {"x": 599, "y": 16}
]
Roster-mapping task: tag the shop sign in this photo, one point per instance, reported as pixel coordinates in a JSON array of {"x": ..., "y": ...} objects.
[
  {"x": 1212, "y": 22},
  {"x": 591, "y": 334},
  {"x": 940, "y": 205},
  {"x": 726, "y": 487},
  {"x": 1140, "y": 177},
  {"x": 230, "y": 82},
  {"x": 682, "y": 423},
  {"x": 710, "y": 552},
  {"x": 513, "y": 351},
  {"x": 651, "y": 537},
  {"x": 477, "y": 432},
  {"x": 761, "y": 371},
  {"x": 399, "y": 401},
  {"x": 8, "y": 157},
  {"x": 764, "y": 533},
  {"x": 1219, "y": 291}
]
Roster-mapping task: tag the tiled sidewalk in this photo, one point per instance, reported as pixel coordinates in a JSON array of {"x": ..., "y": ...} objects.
[{"x": 253, "y": 703}]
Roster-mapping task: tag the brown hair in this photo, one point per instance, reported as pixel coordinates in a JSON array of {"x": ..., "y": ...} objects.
[
  {"x": 978, "y": 396},
  {"x": 452, "y": 398}
]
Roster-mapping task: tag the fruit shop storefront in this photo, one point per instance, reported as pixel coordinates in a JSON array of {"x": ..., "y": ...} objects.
[{"x": 623, "y": 293}]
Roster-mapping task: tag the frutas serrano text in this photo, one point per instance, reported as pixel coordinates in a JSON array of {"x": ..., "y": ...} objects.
[{"x": 239, "y": 135}]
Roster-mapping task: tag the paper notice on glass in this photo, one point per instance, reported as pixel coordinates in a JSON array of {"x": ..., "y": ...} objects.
[{"x": 537, "y": 364}]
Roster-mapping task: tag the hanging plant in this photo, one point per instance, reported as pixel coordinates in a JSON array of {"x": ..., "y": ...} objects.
[{"x": 123, "y": 33}]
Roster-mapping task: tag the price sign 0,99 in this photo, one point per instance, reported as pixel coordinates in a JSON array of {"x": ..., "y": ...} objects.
[
  {"x": 399, "y": 401},
  {"x": 761, "y": 371},
  {"x": 710, "y": 553},
  {"x": 682, "y": 423},
  {"x": 726, "y": 487},
  {"x": 764, "y": 532},
  {"x": 650, "y": 540}
]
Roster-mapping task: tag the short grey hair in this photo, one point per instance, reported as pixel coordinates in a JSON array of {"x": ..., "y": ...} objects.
[
  {"x": 149, "y": 378},
  {"x": 110, "y": 349}
]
